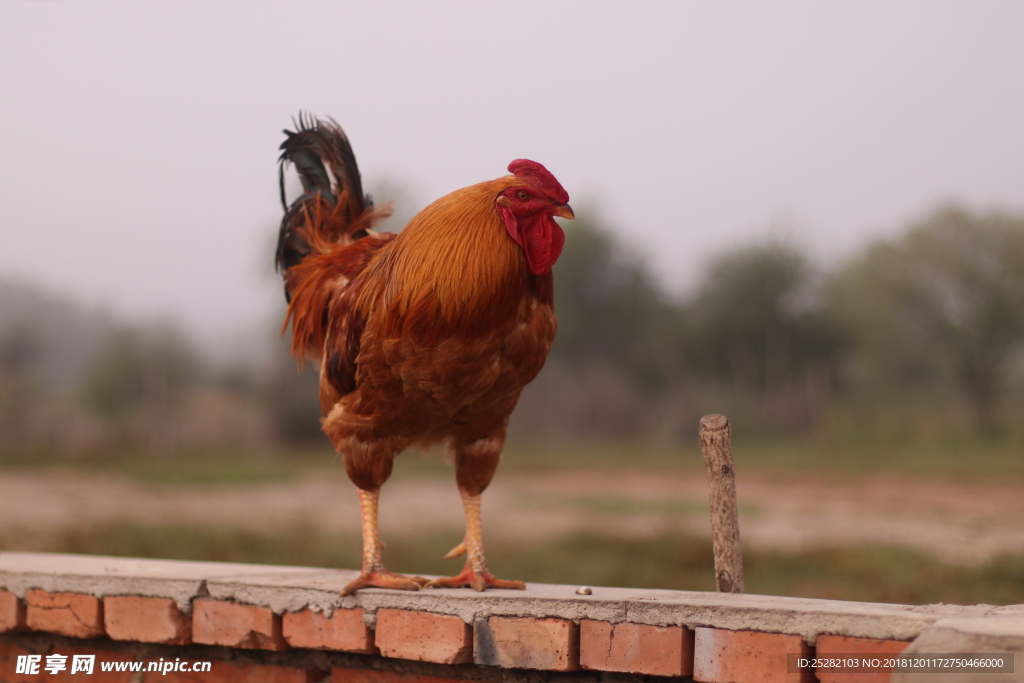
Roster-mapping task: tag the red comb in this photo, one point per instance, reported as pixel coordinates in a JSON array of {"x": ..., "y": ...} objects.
[{"x": 540, "y": 178}]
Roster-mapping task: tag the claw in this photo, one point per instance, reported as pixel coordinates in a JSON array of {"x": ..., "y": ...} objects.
[
  {"x": 476, "y": 581},
  {"x": 460, "y": 549},
  {"x": 382, "y": 578}
]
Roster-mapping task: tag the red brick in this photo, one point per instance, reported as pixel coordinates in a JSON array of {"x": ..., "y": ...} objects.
[
  {"x": 844, "y": 645},
  {"x": 339, "y": 675},
  {"x": 146, "y": 620},
  {"x": 67, "y": 614},
  {"x": 344, "y": 630},
  {"x": 97, "y": 675},
  {"x": 12, "y": 612},
  {"x": 636, "y": 648},
  {"x": 423, "y": 636},
  {"x": 229, "y": 672},
  {"x": 528, "y": 643},
  {"x": 721, "y": 656},
  {"x": 9, "y": 653},
  {"x": 219, "y": 622}
]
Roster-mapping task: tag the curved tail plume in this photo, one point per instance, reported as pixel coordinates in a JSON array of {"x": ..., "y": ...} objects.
[{"x": 332, "y": 210}]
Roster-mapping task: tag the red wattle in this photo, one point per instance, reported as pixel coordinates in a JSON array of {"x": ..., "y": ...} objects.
[{"x": 541, "y": 239}]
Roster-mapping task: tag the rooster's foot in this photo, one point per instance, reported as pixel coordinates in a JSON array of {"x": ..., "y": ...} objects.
[
  {"x": 382, "y": 578},
  {"x": 475, "y": 580}
]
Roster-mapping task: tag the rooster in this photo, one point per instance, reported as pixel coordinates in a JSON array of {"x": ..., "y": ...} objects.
[{"x": 423, "y": 337}]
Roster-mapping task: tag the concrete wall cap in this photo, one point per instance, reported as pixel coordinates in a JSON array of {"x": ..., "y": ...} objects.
[
  {"x": 102, "y": 576},
  {"x": 291, "y": 589}
]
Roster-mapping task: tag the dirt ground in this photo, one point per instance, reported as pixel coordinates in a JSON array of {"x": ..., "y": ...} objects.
[{"x": 965, "y": 523}]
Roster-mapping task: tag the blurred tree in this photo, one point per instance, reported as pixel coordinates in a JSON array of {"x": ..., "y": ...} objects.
[
  {"x": 758, "y": 322},
  {"x": 947, "y": 298},
  {"x": 19, "y": 354},
  {"x": 609, "y": 308},
  {"x": 611, "y": 359},
  {"x": 293, "y": 400},
  {"x": 757, "y": 341},
  {"x": 143, "y": 379},
  {"x": 114, "y": 383}
]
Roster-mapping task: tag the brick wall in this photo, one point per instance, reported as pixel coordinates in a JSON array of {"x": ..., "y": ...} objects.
[{"x": 259, "y": 623}]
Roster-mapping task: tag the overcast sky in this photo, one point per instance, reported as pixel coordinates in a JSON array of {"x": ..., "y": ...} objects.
[{"x": 139, "y": 139}]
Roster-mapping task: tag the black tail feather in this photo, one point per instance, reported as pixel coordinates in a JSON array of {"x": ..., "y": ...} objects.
[{"x": 323, "y": 157}]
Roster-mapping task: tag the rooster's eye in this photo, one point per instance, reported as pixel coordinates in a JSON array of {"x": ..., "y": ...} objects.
[{"x": 523, "y": 196}]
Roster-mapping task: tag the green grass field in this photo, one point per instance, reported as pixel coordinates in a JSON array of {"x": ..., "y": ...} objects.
[{"x": 954, "y": 457}]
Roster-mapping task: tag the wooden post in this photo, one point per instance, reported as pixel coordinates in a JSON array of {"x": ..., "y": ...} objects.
[{"x": 725, "y": 523}]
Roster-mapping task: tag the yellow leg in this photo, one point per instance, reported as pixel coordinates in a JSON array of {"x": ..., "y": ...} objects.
[
  {"x": 475, "y": 573},
  {"x": 368, "y": 502},
  {"x": 373, "y": 573}
]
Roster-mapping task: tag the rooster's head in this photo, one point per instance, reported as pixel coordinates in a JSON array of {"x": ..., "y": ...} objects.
[{"x": 528, "y": 209}]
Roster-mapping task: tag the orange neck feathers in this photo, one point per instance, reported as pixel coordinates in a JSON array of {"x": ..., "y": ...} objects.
[{"x": 454, "y": 266}]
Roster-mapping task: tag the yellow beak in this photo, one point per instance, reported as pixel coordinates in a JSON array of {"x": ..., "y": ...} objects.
[{"x": 564, "y": 211}]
